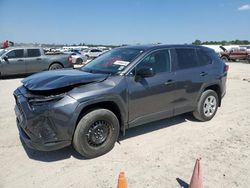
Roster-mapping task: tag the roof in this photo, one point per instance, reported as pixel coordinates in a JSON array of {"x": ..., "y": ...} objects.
[
  {"x": 159, "y": 46},
  {"x": 22, "y": 47}
]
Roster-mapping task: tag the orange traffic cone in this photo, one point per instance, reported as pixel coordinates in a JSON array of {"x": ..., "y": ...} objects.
[
  {"x": 122, "y": 182},
  {"x": 197, "y": 177}
]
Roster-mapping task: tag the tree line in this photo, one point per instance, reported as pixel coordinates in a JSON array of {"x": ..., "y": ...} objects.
[{"x": 223, "y": 42}]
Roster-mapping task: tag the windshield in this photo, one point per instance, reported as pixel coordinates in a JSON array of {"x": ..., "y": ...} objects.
[
  {"x": 113, "y": 61},
  {"x": 2, "y": 52}
]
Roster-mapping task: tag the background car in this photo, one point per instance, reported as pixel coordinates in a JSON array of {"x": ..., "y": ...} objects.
[
  {"x": 233, "y": 54},
  {"x": 92, "y": 53},
  {"x": 27, "y": 60},
  {"x": 77, "y": 56}
]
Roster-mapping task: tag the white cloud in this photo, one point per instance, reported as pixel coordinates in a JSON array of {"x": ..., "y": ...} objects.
[{"x": 244, "y": 7}]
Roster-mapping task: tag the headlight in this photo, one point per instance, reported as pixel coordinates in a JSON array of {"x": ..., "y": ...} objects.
[{"x": 42, "y": 100}]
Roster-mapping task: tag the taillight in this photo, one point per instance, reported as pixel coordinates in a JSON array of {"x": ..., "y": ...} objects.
[
  {"x": 70, "y": 59},
  {"x": 226, "y": 68}
]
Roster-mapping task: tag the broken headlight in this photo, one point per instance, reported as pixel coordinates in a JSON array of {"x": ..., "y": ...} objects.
[{"x": 42, "y": 100}]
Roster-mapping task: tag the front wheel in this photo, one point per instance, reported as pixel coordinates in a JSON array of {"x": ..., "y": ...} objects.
[
  {"x": 96, "y": 133},
  {"x": 207, "y": 106}
]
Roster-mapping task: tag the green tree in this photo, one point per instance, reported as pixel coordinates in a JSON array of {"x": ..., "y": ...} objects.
[{"x": 197, "y": 42}]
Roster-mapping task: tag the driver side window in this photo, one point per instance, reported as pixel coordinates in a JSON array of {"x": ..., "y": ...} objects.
[
  {"x": 15, "y": 54},
  {"x": 159, "y": 61}
]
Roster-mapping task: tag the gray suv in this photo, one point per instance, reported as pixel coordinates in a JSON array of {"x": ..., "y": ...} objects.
[{"x": 123, "y": 88}]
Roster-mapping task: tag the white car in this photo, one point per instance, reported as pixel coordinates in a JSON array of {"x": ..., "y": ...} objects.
[
  {"x": 92, "y": 53},
  {"x": 77, "y": 57}
]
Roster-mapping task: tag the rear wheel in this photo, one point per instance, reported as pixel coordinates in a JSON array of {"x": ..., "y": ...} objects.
[
  {"x": 96, "y": 133},
  {"x": 79, "y": 61},
  {"x": 207, "y": 106},
  {"x": 225, "y": 58},
  {"x": 55, "y": 66}
]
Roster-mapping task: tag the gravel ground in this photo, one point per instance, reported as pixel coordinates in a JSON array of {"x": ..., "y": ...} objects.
[{"x": 153, "y": 155}]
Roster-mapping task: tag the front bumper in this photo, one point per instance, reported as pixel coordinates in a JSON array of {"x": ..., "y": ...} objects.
[
  {"x": 45, "y": 128},
  {"x": 39, "y": 145}
]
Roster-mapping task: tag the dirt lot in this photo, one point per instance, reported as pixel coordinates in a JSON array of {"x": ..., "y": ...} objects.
[{"x": 153, "y": 155}]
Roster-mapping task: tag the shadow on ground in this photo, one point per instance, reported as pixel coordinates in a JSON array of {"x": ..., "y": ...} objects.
[
  {"x": 14, "y": 77},
  {"x": 154, "y": 126},
  {"x": 133, "y": 132},
  {"x": 51, "y": 156},
  {"x": 182, "y": 183}
]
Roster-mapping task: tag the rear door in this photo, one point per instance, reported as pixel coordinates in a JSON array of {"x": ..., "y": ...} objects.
[
  {"x": 189, "y": 79},
  {"x": 15, "y": 63},
  {"x": 34, "y": 61}
]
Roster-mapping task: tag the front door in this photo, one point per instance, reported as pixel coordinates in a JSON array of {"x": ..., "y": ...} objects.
[
  {"x": 151, "y": 98},
  {"x": 15, "y": 63}
]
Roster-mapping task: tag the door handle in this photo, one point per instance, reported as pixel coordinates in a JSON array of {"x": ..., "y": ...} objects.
[
  {"x": 38, "y": 59},
  {"x": 203, "y": 74},
  {"x": 169, "y": 82},
  {"x": 19, "y": 60}
]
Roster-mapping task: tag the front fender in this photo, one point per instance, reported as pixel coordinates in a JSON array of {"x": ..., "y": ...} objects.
[{"x": 94, "y": 102}]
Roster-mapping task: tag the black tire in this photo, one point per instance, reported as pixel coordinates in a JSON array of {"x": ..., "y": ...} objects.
[
  {"x": 79, "y": 61},
  {"x": 55, "y": 66},
  {"x": 96, "y": 133},
  {"x": 225, "y": 58},
  {"x": 203, "y": 111}
]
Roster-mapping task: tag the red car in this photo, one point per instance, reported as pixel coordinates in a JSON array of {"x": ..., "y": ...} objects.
[{"x": 233, "y": 54}]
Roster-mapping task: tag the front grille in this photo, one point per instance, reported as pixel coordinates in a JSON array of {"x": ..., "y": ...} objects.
[{"x": 19, "y": 106}]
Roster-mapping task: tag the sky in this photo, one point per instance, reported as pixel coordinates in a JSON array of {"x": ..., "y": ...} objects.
[{"x": 124, "y": 21}]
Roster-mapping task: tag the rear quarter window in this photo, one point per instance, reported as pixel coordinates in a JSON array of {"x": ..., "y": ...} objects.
[
  {"x": 203, "y": 57},
  {"x": 215, "y": 58}
]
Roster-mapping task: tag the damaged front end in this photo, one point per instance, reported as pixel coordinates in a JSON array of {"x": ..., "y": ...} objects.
[
  {"x": 44, "y": 121},
  {"x": 46, "y": 114}
]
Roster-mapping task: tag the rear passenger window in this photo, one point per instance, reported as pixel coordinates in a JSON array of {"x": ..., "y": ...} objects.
[
  {"x": 186, "y": 58},
  {"x": 33, "y": 52},
  {"x": 15, "y": 54},
  {"x": 159, "y": 61},
  {"x": 203, "y": 57}
]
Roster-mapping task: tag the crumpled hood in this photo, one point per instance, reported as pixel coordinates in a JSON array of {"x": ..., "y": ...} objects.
[{"x": 58, "y": 79}]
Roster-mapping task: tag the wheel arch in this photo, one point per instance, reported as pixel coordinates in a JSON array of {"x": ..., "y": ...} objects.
[
  {"x": 109, "y": 105},
  {"x": 216, "y": 88}
]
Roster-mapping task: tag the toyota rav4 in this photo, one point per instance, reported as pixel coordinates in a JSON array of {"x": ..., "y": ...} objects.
[{"x": 123, "y": 88}]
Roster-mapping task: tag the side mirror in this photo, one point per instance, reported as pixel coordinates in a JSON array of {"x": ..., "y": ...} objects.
[
  {"x": 5, "y": 58},
  {"x": 144, "y": 72}
]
